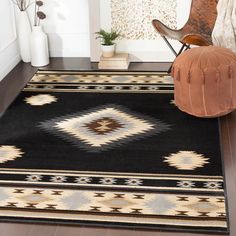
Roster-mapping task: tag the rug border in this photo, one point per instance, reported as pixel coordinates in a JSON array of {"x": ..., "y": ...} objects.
[{"x": 63, "y": 72}]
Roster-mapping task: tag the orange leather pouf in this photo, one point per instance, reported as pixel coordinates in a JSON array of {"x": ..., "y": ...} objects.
[{"x": 205, "y": 81}]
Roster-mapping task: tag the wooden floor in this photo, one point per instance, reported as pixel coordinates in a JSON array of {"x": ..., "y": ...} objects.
[{"x": 228, "y": 134}]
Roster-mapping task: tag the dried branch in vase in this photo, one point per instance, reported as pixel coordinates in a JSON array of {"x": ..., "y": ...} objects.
[
  {"x": 38, "y": 15},
  {"x": 22, "y": 4}
]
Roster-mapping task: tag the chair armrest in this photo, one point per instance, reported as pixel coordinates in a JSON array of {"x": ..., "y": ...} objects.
[{"x": 164, "y": 30}]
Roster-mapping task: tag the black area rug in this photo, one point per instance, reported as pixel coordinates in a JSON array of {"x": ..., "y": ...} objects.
[{"x": 110, "y": 159}]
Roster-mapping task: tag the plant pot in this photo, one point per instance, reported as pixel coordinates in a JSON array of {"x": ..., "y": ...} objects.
[
  {"x": 39, "y": 47},
  {"x": 108, "y": 50},
  {"x": 23, "y": 33}
]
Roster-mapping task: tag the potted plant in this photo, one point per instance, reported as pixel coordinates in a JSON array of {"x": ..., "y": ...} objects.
[{"x": 107, "y": 42}]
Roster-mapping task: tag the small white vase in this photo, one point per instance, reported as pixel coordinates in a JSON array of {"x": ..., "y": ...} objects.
[
  {"x": 24, "y": 32},
  {"x": 108, "y": 50},
  {"x": 39, "y": 47}
]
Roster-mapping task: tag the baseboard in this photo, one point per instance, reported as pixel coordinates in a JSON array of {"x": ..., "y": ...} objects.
[{"x": 9, "y": 66}]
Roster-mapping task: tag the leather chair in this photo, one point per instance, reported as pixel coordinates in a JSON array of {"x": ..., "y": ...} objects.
[{"x": 197, "y": 30}]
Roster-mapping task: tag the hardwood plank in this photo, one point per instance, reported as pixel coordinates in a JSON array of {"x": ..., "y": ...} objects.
[
  {"x": 69, "y": 63},
  {"x": 93, "y": 231},
  {"x": 162, "y": 233},
  {"x": 42, "y": 230},
  {"x": 158, "y": 233},
  {"x": 12, "y": 229},
  {"x": 84, "y": 64},
  {"x": 119, "y": 232},
  {"x": 149, "y": 233},
  {"x": 68, "y": 231},
  {"x": 231, "y": 129},
  {"x": 13, "y": 83},
  {"x": 229, "y": 147}
]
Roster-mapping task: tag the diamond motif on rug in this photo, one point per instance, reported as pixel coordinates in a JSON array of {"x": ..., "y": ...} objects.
[{"x": 104, "y": 127}]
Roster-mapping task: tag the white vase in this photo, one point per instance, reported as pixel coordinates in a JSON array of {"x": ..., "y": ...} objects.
[
  {"x": 108, "y": 50},
  {"x": 24, "y": 32},
  {"x": 39, "y": 47}
]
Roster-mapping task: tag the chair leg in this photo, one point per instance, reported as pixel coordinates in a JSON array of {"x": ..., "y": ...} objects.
[
  {"x": 183, "y": 48},
  {"x": 169, "y": 45}
]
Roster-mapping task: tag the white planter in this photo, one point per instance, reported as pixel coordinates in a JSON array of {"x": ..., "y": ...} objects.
[
  {"x": 24, "y": 32},
  {"x": 39, "y": 47},
  {"x": 108, "y": 51}
]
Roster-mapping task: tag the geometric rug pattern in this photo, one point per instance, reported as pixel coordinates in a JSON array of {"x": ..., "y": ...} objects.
[
  {"x": 114, "y": 202},
  {"x": 116, "y": 82},
  {"x": 110, "y": 150},
  {"x": 103, "y": 127}
]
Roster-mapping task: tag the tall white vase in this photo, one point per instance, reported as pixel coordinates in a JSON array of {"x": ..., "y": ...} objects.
[
  {"x": 24, "y": 32},
  {"x": 39, "y": 47}
]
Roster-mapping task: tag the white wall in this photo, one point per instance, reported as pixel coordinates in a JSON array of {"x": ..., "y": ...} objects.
[
  {"x": 67, "y": 26},
  {"x": 183, "y": 10},
  {"x": 141, "y": 50},
  {"x": 9, "y": 55}
]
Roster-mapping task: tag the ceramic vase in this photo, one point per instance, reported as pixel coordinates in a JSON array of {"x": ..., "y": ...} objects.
[
  {"x": 108, "y": 50},
  {"x": 24, "y": 32},
  {"x": 39, "y": 47}
]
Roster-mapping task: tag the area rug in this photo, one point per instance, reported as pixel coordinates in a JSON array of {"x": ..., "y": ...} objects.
[{"x": 109, "y": 150}]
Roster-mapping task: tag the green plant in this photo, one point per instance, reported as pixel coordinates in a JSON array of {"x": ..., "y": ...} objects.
[{"x": 107, "y": 38}]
